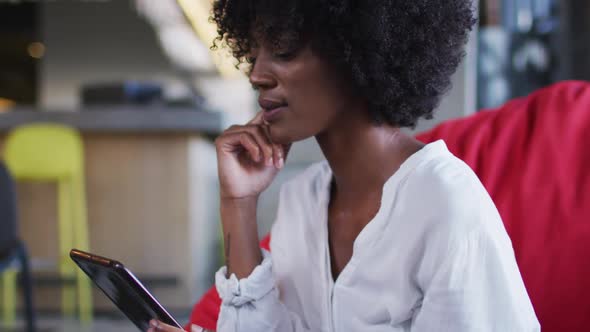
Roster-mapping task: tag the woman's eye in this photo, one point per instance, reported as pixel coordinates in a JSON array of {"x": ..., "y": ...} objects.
[
  {"x": 285, "y": 55},
  {"x": 251, "y": 59}
]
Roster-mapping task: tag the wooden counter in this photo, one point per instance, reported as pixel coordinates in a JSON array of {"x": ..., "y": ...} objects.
[{"x": 124, "y": 119}]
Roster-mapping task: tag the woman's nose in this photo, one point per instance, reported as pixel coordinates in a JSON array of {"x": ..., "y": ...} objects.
[{"x": 261, "y": 77}]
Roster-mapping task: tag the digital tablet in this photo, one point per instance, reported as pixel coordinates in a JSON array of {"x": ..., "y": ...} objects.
[{"x": 123, "y": 288}]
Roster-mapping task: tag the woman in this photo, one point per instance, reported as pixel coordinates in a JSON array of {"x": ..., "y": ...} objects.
[{"x": 388, "y": 234}]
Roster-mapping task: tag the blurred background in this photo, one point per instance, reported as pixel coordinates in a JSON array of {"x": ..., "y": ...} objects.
[{"x": 134, "y": 86}]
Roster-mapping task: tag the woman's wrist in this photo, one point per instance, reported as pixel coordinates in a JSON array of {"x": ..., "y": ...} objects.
[
  {"x": 240, "y": 234},
  {"x": 246, "y": 201},
  {"x": 242, "y": 209}
]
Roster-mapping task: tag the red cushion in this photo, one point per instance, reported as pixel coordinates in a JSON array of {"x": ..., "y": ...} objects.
[{"x": 531, "y": 156}]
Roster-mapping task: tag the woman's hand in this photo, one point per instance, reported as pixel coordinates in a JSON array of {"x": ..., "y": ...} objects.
[
  {"x": 157, "y": 326},
  {"x": 247, "y": 159}
]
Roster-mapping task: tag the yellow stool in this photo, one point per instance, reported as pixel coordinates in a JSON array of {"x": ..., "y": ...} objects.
[
  {"x": 51, "y": 152},
  {"x": 9, "y": 296}
]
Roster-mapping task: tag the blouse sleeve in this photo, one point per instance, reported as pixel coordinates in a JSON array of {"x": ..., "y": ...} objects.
[
  {"x": 476, "y": 286},
  {"x": 252, "y": 303}
]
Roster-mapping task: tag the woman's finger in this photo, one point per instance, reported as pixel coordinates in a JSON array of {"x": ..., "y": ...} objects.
[
  {"x": 274, "y": 154},
  {"x": 258, "y": 119},
  {"x": 245, "y": 140},
  {"x": 157, "y": 326},
  {"x": 279, "y": 160},
  {"x": 196, "y": 328},
  {"x": 278, "y": 151},
  {"x": 261, "y": 138}
]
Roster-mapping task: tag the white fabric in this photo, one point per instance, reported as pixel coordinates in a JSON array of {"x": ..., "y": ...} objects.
[{"x": 436, "y": 257}]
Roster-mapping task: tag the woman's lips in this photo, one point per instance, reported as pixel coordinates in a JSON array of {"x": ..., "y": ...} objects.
[
  {"x": 272, "y": 108},
  {"x": 273, "y": 114}
]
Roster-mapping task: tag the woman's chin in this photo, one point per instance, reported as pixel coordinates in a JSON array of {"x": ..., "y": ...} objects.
[{"x": 280, "y": 135}]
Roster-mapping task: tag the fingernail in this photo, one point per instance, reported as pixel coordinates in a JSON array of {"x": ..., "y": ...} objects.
[
  {"x": 281, "y": 162},
  {"x": 153, "y": 323},
  {"x": 269, "y": 162}
]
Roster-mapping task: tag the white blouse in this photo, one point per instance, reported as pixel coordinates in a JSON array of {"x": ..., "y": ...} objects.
[{"x": 436, "y": 257}]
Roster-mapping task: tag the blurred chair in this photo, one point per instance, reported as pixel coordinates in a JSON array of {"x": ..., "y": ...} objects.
[
  {"x": 50, "y": 152},
  {"x": 13, "y": 252}
]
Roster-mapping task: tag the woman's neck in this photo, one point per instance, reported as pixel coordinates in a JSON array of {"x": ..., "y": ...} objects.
[{"x": 362, "y": 155}]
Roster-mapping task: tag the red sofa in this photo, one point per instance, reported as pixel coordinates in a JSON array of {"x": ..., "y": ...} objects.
[{"x": 533, "y": 157}]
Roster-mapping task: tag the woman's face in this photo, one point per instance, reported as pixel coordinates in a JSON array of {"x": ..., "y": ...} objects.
[{"x": 300, "y": 93}]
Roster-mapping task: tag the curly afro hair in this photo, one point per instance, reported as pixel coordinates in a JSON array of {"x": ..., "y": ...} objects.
[{"x": 399, "y": 54}]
